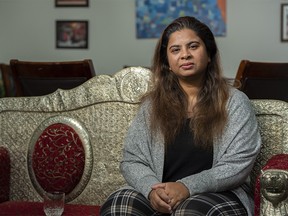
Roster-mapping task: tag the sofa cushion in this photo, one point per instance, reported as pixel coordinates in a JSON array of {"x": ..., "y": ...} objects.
[{"x": 13, "y": 208}]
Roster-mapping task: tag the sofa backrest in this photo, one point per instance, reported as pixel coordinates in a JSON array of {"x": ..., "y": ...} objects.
[{"x": 98, "y": 112}]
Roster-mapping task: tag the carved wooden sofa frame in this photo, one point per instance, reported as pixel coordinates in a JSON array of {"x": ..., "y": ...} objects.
[{"x": 100, "y": 111}]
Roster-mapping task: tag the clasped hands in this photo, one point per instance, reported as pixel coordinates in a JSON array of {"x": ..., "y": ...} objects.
[{"x": 165, "y": 197}]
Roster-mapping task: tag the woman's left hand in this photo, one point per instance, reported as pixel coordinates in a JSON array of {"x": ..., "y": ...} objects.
[{"x": 176, "y": 191}]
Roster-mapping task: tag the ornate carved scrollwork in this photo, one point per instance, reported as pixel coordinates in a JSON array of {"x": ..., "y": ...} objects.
[{"x": 274, "y": 192}]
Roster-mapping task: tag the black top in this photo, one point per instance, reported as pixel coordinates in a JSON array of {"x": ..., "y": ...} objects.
[{"x": 184, "y": 158}]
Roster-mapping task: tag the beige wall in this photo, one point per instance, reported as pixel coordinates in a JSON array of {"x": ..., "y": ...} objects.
[{"x": 28, "y": 33}]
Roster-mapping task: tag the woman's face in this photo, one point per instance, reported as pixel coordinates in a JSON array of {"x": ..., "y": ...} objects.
[{"x": 187, "y": 55}]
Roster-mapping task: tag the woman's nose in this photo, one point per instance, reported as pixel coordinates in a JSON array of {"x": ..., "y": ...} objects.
[{"x": 186, "y": 54}]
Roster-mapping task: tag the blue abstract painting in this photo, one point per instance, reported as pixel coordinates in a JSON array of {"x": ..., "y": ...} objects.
[{"x": 152, "y": 16}]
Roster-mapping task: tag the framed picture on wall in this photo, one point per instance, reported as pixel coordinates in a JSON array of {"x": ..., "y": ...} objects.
[
  {"x": 152, "y": 16},
  {"x": 71, "y": 3},
  {"x": 284, "y": 22},
  {"x": 72, "y": 34}
]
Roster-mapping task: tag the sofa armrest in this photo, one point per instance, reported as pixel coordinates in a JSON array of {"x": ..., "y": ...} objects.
[
  {"x": 4, "y": 174},
  {"x": 271, "y": 189}
]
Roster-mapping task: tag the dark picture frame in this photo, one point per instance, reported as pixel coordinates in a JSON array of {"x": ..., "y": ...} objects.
[
  {"x": 284, "y": 22},
  {"x": 72, "y": 34},
  {"x": 71, "y": 3}
]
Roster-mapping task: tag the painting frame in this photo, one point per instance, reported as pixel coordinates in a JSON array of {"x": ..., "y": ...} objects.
[
  {"x": 71, "y": 3},
  {"x": 72, "y": 34},
  {"x": 284, "y": 22}
]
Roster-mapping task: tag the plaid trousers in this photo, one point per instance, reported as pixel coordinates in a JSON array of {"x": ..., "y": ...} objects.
[{"x": 130, "y": 202}]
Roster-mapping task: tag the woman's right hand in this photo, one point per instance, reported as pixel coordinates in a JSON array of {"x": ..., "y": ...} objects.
[{"x": 160, "y": 201}]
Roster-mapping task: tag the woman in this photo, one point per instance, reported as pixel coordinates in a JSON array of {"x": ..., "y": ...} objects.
[{"x": 192, "y": 145}]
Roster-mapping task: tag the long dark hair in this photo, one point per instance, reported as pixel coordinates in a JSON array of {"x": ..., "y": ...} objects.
[{"x": 169, "y": 101}]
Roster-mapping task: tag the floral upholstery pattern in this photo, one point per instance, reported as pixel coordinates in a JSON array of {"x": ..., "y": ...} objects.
[{"x": 58, "y": 158}]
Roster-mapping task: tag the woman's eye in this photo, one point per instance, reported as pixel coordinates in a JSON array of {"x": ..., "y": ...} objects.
[
  {"x": 193, "y": 46},
  {"x": 175, "y": 50}
]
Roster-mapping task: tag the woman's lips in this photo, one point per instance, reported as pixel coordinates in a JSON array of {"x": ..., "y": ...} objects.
[{"x": 187, "y": 66}]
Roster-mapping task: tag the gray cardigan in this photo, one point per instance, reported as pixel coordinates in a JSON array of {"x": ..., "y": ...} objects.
[{"x": 233, "y": 155}]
